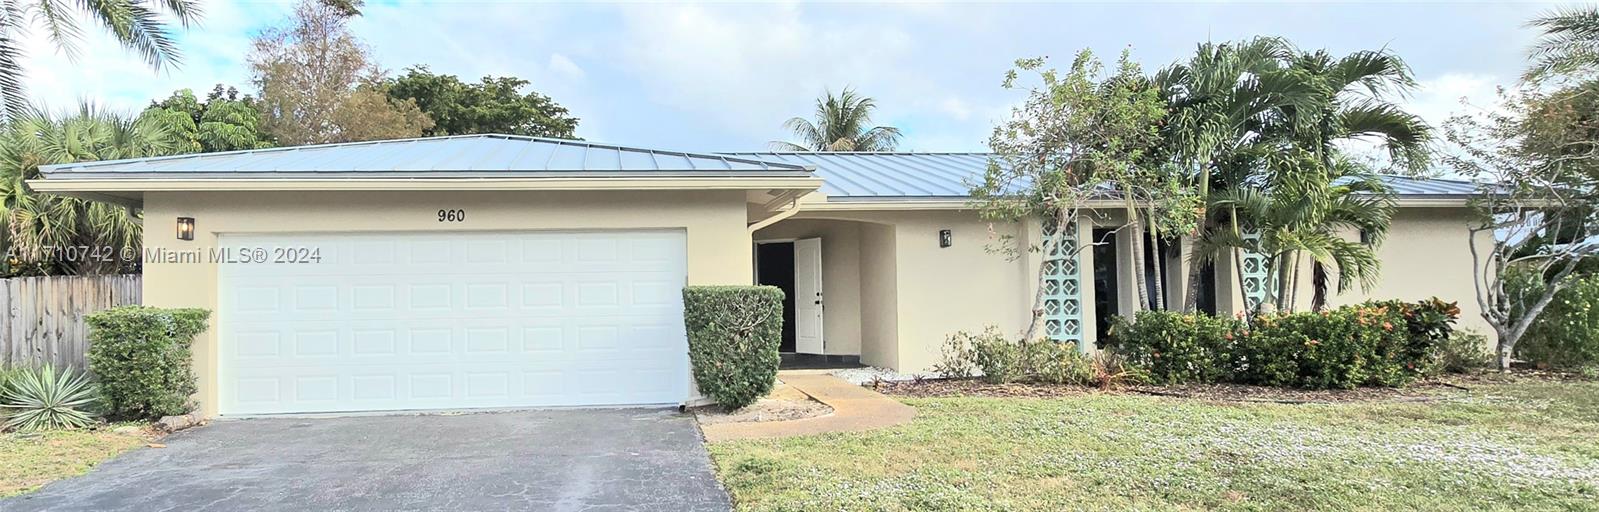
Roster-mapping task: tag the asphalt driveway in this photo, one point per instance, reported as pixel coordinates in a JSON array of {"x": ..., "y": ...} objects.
[{"x": 598, "y": 459}]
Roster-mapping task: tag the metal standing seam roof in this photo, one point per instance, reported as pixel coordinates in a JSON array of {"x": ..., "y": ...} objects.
[
  {"x": 484, "y": 155},
  {"x": 846, "y": 175},
  {"x": 888, "y": 175},
  {"x": 862, "y": 175}
]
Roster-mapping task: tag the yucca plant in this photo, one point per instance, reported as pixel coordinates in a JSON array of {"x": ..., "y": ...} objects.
[{"x": 43, "y": 399}]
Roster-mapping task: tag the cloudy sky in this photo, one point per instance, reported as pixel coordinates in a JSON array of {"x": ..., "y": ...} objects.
[{"x": 724, "y": 76}]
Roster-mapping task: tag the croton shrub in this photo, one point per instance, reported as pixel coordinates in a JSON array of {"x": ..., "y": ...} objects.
[{"x": 1382, "y": 343}]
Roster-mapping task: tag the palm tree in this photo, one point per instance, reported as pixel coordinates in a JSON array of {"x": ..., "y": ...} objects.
[
  {"x": 841, "y": 125},
  {"x": 1304, "y": 212},
  {"x": 34, "y": 224},
  {"x": 1570, "y": 43},
  {"x": 1355, "y": 106},
  {"x": 1261, "y": 118},
  {"x": 1219, "y": 101},
  {"x": 136, "y": 24}
]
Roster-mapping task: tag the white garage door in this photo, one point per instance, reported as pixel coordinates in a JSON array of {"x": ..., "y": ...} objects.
[{"x": 431, "y": 321}]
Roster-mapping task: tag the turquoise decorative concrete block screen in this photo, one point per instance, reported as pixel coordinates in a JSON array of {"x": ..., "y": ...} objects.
[
  {"x": 1063, "y": 303},
  {"x": 1256, "y": 277}
]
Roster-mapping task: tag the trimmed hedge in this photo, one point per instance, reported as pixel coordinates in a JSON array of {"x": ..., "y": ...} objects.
[
  {"x": 1387, "y": 343},
  {"x": 142, "y": 359},
  {"x": 733, "y": 336}
]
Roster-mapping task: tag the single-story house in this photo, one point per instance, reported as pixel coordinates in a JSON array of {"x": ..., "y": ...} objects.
[{"x": 502, "y": 271}]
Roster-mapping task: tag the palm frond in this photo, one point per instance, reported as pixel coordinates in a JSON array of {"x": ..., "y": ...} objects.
[{"x": 1570, "y": 42}]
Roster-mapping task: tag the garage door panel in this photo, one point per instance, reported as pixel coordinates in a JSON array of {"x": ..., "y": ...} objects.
[{"x": 421, "y": 321}]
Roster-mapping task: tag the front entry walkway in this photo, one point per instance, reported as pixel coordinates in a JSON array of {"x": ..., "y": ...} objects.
[
  {"x": 605, "y": 459},
  {"x": 854, "y": 409}
]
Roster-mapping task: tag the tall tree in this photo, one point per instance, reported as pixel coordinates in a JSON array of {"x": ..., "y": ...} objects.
[
  {"x": 1265, "y": 112},
  {"x": 1219, "y": 100},
  {"x": 1355, "y": 104},
  {"x": 224, "y": 121},
  {"x": 1569, "y": 44},
  {"x": 1538, "y": 207},
  {"x": 317, "y": 84},
  {"x": 51, "y": 234},
  {"x": 493, "y": 105},
  {"x": 1074, "y": 132},
  {"x": 841, "y": 125},
  {"x": 138, "y": 25}
]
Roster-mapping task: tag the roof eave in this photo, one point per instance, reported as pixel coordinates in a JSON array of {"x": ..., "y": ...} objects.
[{"x": 121, "y": 186}]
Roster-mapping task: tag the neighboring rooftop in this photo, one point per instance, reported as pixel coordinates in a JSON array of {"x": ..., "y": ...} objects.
[
  {"x": 887, "y": 175},
  {"x": 453, "y": 156}
]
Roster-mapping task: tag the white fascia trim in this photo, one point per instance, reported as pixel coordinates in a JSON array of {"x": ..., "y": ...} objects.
[
  {"x": 962, "y": 204},
  {"x": 213, "y": 185}
]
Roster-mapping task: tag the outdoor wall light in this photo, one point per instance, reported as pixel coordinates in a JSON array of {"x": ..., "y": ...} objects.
[
  {"x": 185, "y": 228},
  {"x": 945, "y": 238}
]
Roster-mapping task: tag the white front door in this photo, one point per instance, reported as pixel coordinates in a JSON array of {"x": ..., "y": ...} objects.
[
  {"x": 396, "y": 321},
  {"x": 808, "y": 296}
]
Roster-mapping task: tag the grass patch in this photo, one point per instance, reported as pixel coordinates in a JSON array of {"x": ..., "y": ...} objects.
[
  {"x": 28, "y": 461},
  {"x": 1521, "y": 446}
]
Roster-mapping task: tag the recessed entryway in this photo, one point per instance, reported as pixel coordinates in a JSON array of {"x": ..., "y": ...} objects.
[{"x": 795, "y": 266}]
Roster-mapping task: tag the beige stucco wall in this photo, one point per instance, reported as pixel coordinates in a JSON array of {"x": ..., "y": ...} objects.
[
  {"x": 879, "y": 294},
  {"x": 913, "y": 293},
  {"x": 1427, "y": 253},
  {"x": 718, "y": 241},
  {"x": 841, "y": 289}
]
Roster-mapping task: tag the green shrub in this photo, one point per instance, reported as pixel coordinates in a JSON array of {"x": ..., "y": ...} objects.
[
  {"x": 1000, "y": 361},
  {"x": 957, "y": 361},
  {"x": 1566, "y": 334},
  {"x": 733, "y": 336},
  {"x": 142, "y": 358},
  {"x": 1465, "y": 351},
  {"x": 1049, "y": 362},
  {"x": 1388, "y": 343},
  {"x": 44, "y": 399},
  {"x": 1175, "y": 347}
]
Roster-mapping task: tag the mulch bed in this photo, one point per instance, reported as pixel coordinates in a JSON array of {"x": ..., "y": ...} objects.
[
  {"x": 931, "y": 388},
  {"x": 1420, "y": 391}
]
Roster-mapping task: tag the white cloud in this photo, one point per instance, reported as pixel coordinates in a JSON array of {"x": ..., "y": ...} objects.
[
  {"x": 563, "y": 67},
  {"x": 1438, "y": 99},
  {"x": 105, "y": 74},
  {"x": 752, "y": 66},
  {"x": 955, "y": 108}
]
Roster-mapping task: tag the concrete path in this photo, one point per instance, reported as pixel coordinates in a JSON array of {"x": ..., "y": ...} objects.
[
  {"x": 854, "y": 409},
  {"x": 599, "y": 459}
]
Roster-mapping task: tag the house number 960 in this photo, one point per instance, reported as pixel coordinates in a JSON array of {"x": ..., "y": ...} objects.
[{"x": 452, "y": 215}]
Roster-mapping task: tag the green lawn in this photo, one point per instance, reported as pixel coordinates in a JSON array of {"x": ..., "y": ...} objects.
[
  {"x": 1522, "y": 446},
  {"x": 28, "y": 461}
]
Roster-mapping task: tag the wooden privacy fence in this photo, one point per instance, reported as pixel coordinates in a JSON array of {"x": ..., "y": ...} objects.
[{"x": 42, "y": 318}]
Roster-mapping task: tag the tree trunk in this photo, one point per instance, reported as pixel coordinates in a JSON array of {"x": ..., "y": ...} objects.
[
  {"x": 1160, "y": 264},
  {"x": 1191, "y": 297},
  {"x": 1138, "y": 266},
  {"x": 1293, "y": 284},
  {"x": 1318, "y": 285},
  {"x": 1510, "y": 334},
  {"x": 1053, "y": 240}
]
